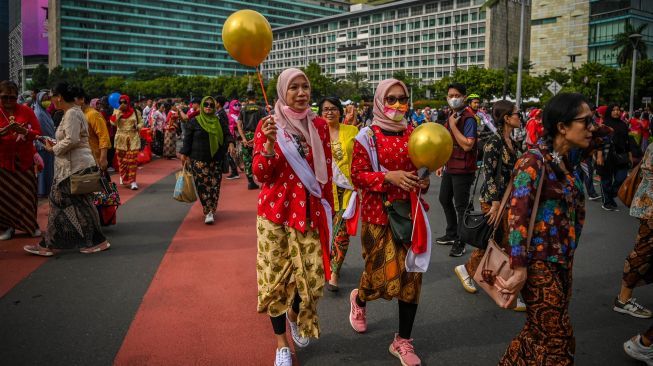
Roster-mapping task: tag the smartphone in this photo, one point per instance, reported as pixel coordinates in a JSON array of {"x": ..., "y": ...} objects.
[{"x": 43, "y": 139}]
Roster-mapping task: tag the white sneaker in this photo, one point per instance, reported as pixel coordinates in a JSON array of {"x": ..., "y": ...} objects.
[
  {"x": 521, "y": 306},
  {"x": 209, "y": 218},
  {"x": 465, "y": 279},
  {"x": 134, "y": 186},
  {"x": 284, "y": 357},
  {"x": 300, "y": 341},
  {"x": 8, "y": 234},
  {"x": 635, "y": 349}
]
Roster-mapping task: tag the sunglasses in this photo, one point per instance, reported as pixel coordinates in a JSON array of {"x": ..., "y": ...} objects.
[
  {"x": 587, "y": 120},
  {"x": 392, "y": 100},
  {"x": 8, "y": 97},
  {"x": 123, "y": 102},
  {"x": 209, "y": 105}
]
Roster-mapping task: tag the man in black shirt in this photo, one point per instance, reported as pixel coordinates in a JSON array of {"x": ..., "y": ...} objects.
[{"x": 250, "y": 115}]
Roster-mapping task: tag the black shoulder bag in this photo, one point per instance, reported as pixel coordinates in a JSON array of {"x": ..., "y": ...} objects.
[
  {"x": 399, "y": 213},
  {"x": 475, "y": 230}
]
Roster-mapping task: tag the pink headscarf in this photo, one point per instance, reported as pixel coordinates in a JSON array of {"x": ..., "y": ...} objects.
[
  {"x": 380, "y": 119},
  {"x": 93, "y": 103},
  {"x": 300, "y": 123}
]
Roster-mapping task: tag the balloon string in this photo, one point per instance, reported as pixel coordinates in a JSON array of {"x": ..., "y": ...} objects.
[{"x": 265, "y": 96}]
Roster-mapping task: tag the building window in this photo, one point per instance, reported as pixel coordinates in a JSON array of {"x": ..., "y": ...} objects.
[
  {"x": 462, "y": 3},
  {"x": 446, "y": 5},
  {"x": 416, "y": 10},
  {"x": 432, "y": 7},
  {"x": 389, "y": 15},
  {"x": 544, "y": 21},
  {"x": 402, "y": 13}
]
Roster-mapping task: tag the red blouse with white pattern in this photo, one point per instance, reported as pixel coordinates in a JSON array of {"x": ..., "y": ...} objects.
[
  {"x": 393, "y": 155},
  {"x": 283, "y": 197}
]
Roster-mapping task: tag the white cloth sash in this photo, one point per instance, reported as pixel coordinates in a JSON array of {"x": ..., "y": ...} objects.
[
  {"x": 300, "y": 166},
  {"x": 341, "y": 181}
]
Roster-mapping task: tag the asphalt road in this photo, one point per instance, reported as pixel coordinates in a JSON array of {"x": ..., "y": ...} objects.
[{"x": 457, "y": 328}]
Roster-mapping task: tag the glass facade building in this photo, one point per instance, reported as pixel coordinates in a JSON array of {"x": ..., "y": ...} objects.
[
  {"x": 608, "y": 18},
  {"x": 118, "y": 37}
]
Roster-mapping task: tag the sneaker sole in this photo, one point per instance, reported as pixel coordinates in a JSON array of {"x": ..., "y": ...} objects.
[
  {"x": 38, "y": 252},
  {"x": 622, "y": 311},
  {"x": 232, "y": 178},
  {"x": 293, "y": 337},
  {"x": 396, "y": 354},
  {"x": 96, "y": 250},
  {"x": 440, "y": 242},
  {"x": 471, "y": 290},
  {"x": 457, "y": 255}
]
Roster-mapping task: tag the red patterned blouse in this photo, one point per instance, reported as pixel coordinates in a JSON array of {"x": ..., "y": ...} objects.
[
  {"x": 283, "y": 199},
  {"x": 393, "y": 155},
  {"x": 18, "y": 148}
]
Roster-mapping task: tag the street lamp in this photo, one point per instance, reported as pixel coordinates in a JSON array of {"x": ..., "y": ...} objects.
[
  {"x": 521, "y": 54},
  {"x": 598, "y": 88},
  {"x": 634, "y": 39}
]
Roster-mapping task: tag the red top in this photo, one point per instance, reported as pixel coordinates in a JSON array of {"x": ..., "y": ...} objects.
[
  {"x": 635, "y": 125},
  {"x": 283, "y": 198},
  {"x": 534, "y": 130},
  {"x": 393, "y": 155},
  {"x": 15, "y": 147},
  {"x": 646, "y": 125}
]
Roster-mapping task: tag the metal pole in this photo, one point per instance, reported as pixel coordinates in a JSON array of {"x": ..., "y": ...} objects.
[
  {"x": 598, "y": 88},
  {"x": 521, "y": 54},
  {"x": 632, "y": 82}
]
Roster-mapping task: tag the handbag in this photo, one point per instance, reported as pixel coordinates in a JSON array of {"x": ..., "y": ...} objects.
[
  {"x": 629, "y": 186},
  {"x": 399, "y": 216},
  {"x": 109, "y": 195},
  {"x": 86, "y": 181},
  {"x": 185, "y": 186},
  {"x": 475, "y": 230},
  {"x": 496, "y": 262}
]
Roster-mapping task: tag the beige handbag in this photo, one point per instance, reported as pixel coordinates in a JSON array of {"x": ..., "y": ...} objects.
[
  {"x": 85, "y": 182},
  {"x": 496, "y": 262}
]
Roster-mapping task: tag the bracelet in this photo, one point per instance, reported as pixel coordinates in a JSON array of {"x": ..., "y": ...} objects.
[{"x": 273, "y": 155}]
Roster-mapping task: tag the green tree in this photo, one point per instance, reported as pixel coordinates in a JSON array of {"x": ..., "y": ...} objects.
[
  {"x": 151, "y": 74},
  {"x": 39, "y": 78},
  {"x": 321, "y": 85},
  {"x": 359, "y": 81},
  {"x": 624, "y": 44}
]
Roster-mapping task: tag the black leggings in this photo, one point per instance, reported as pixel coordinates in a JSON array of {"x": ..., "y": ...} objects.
[
  {"x": 279, "y": 322},
  {"x": 407, "y": 312}
]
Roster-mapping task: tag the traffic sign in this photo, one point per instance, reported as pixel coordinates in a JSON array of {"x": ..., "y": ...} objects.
[
  {"x": 554, "y": 87},
  {"x": 646, "y": 100}
]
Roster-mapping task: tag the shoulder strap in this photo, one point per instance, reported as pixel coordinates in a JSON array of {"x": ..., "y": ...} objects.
[{"x": 531, "y": 224}]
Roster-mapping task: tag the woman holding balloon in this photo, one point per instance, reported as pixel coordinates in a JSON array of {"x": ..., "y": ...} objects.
[
  {"x": 292, "y": 159},
  {"x": 383, "y": 171},
  {"x": 127, "y": 140}
]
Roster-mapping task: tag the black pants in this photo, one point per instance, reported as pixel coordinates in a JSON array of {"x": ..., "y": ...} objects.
[
  {"x": 454, "y": 198},
  {"x": 611, "y": 180}
]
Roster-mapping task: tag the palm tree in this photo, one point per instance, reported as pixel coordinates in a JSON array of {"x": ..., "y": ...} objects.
[
  {"x": 358, "y": 79},
  {"x": 624, "y": 44}
]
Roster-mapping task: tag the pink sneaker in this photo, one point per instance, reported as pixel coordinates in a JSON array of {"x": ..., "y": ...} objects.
[
  {"x": 404, "y": 351},
  {"x": 39, "y": 250},
  {"x": 94, "y": 249},
  {"x": 357, "y": 314}
]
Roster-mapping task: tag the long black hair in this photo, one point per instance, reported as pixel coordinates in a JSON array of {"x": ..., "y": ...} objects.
[
  {"x": 563, "y": 108},
  {"x": 501, "y": 109}
]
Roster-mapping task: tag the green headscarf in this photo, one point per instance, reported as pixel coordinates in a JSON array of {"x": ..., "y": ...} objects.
[{"x": 211, "y": 124}]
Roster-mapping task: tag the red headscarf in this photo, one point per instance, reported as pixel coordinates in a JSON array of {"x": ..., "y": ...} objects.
[{"x": 130, "y": 110}]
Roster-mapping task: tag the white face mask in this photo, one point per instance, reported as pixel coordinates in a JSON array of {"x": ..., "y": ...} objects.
[{"x": 455, "y": 103}]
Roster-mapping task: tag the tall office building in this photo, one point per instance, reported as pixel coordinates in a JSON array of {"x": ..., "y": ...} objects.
[
  {"x": 4, "y": 40},
  {"x": 608, "y": 18},
  {"x": 559, "y": 34},
  {"x": 28, "y": 38},
  {"x": 121, "y": 36},
  {"x": 427, "y": 39}
]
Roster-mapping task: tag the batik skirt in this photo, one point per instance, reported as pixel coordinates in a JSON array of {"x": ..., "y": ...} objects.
[{"x": 18, "y": 200}]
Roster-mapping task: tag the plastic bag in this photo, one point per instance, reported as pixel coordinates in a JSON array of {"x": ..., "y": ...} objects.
[{"x": 185, "y": 186}]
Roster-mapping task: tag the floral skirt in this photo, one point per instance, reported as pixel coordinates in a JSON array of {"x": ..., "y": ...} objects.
[
  {"x": 170, "y": 144},
  {"x": 638, "y": 269},
  {"x": 73, "y": 221},
  {"x": 289, "y": 262}
]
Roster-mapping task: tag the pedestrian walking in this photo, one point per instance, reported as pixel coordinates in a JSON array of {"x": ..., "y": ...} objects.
[
  {"x": 640, "y": 347},
  {"x": 499, "y": 157},
  {"x": 46, "y": 175},
  {"x": 73, "y": 221},
  {"x": 98, "y": 135},
  {"x": 206, "y": 143},
  {"x": 292, "y": 160},
  {"x": 19, "y": 127},
  {"x": 345, "y": 198},
  {"x": 233, "y": 114},
  {"x": 638, "y": 268},
  {"x": 543, "y": 268},
  {"x": 170, "y": 128},
  {"x": 614, "y": 159},
  {"x": 250, "y": 115},
  {"x": 458, "y": 174},
  {"x": 127, "y": 140},
  {"x": 384, "y": 173}
]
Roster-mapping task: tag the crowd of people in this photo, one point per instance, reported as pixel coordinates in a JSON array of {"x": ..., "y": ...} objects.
[{"x": 321, "y": 169}]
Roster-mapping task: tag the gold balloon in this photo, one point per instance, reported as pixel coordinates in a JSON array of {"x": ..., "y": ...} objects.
[
  {"x": 430, "y": 145},
  {"x": 247, "y": 36}
]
